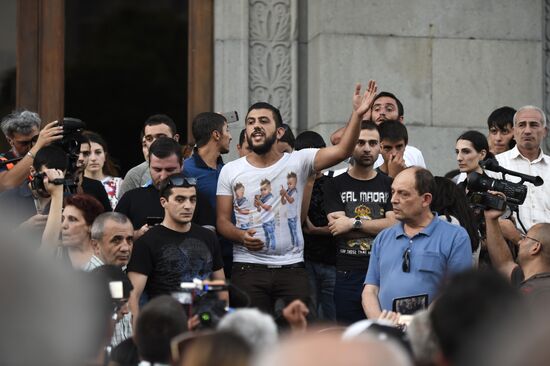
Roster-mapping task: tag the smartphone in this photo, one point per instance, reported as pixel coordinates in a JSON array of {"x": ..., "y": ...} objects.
[
  {"x": 153, "y": 220},
  {"x": 410, "y": 304},
  {"x": 231, "y": 117}
]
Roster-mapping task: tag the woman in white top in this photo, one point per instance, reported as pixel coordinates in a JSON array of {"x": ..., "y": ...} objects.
[{"x": 102, "y": 168}]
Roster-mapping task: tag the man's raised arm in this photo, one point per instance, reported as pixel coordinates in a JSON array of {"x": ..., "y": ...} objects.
[
  {"x": 499, "y": 252},
  {"x": 332, "y": 155}
]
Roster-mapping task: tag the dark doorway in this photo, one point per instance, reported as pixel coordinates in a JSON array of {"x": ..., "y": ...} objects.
[{"x": 124, "y": 61}]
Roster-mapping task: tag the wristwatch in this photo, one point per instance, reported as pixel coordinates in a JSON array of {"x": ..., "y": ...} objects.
[{"x": 357, "y": 223}]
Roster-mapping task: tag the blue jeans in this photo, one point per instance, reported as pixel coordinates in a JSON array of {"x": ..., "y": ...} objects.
[
  {"x": 292, "y": 223},
  {"x": 269, "y": 231},
  {"x": 322, "y": 279},
  {"x": 347, "y": 296}
]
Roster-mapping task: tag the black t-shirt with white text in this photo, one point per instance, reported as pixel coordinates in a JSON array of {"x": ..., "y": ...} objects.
[
  {"x": 169, "y": 257},
  {"x": 367, "y": 199}
]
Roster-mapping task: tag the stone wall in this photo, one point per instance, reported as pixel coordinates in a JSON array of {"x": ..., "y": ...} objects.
[{"x": 451, "y": 62}]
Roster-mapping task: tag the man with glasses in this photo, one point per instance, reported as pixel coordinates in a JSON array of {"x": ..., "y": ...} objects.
[
  {"x": 22, "y": 131},
  {"x": 141, "y": 204},
  {"x": 527, "y": 157},
  {"x": 531, "y": 273},
  {"x": 175, "y": 251},
  {"x": 410, "y": 259}
]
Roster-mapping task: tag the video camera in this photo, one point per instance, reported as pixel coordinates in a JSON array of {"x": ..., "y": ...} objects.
[
  {"x": 201, "y": 298},
  {"x": 515, "y": 192},
  {"x": 70, "y": 144}
]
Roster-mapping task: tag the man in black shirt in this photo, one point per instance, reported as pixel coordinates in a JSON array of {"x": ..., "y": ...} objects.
[
  {"x": 176, "y": 250},
  {"x": 358, "y": 206},
  {"x": 165, "y": 159},
  {"x": 531, "y": 273}
]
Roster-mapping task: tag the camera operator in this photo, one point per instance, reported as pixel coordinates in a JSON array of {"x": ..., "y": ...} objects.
[
  {"x": 22, "y": 130},
  {"x": 531, "y": 273},
  {"x": 527, "y": 158}
]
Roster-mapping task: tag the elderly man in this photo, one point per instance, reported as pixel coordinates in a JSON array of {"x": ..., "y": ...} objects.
[
  {"x": 410, "y": 259},
  {"x": 527, "y": 157}
]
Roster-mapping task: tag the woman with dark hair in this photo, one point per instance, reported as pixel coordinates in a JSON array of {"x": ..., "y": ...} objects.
[
  {"x": 450, "y": 202},
  {"x": 471, "y": 148},
  {"x": 101, "y": 167}
]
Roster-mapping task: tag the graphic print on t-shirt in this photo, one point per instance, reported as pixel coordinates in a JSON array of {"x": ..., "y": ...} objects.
[{"x": 186, "y": 260}]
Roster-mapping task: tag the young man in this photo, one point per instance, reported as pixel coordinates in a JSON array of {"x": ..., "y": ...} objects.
[
  {"x": 393, "y": 143},
  {"x": 358, "y": 207},
  {"x": 267, "y": 266},
  {"x": 175, "y": 251},
  {"x": 501, "y": 130},
  {"x": 158, "y": 125}
]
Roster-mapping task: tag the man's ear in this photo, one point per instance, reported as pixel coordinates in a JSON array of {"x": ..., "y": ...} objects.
[
  {"x": 163, "y": 201},
  {"x": 176, "y": 137},
  {"x": 32, "y": 170},
  {"x": 95, "y": 246},
  {"x": 427, "y": 199},
  {"x": 400, "y": 119},
  {"x": 216, "y": 135},
  {"x": 280, "y": 132}
]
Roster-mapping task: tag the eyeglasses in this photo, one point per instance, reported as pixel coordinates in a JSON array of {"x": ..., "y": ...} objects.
[
  {"x": 179, "y": 181},
  {"x": 523, "y": 237},
  {"x": 31, "y": 142},
  {"x": 406, "y": 266}
]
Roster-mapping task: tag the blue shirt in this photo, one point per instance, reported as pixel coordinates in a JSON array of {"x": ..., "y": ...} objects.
[
  {"x": 207, "y": 183},
  {"x": 438, "y": 250}
]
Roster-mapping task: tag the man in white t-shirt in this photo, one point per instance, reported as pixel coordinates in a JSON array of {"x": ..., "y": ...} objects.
[{"x": 268, "y": 254}]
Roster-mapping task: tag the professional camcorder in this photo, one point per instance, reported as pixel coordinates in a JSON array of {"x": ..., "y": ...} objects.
[{"x": 515, "y": 193}]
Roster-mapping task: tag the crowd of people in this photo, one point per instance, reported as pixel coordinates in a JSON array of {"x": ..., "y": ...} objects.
[{"x": 277, "y": 258}]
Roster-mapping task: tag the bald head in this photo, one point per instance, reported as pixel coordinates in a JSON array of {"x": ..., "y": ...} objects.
[
  {"x": 329, "y": 350},
  {"x": 541, "y": 232}
]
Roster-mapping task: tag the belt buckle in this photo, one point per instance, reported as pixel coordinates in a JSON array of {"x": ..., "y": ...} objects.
[{"x": 269, "y": 266}]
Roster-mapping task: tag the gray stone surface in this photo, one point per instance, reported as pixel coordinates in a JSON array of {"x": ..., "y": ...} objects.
[
  {"x": 231, "y": 19},
  {"x": 337, "y": 62},
  {"x": 482, "y": 19},
  {"x": 473, "y": 77}
]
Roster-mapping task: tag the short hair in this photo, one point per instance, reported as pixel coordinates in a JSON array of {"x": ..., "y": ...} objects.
[
  {"x": 257, "y": 328},
  {"x": 478, "y": 140},
  {"x": 288, "y": 136},
  {"x": 99, "y": 223},
  {"x": 160, "y": 320},
  {"x": 424, "y": 181},
  {"x": 109, "y": 167},
  {"x": 309, "y": 139},
  {"x": 400, "y": 109},
  {"x": 242, "y": 136},
  {"x": 531, "y": 107},
  {"x": 165, "y": 147},
  {"x": 544, "y": 235},
  {"x": 238, "y": 185},
  {"x": 369, "y": 125},
  {"x": 52, "y": 157},
  {"x": 165, "y": 189},
  {"x": 264, "y": 105},
  {"x": 88, "y": 205},
  {"x": 264, "y": 182},
  {"x": 22, "y": 122},
  {"x": 501, "y": 117},
  {"x": 204, "y": 124},
  {"x": 218, "y": 348},
  {"x": 160, "y": 119},
  {"x": 392, "y": 130},
  {"x": 291, "y": 175}
]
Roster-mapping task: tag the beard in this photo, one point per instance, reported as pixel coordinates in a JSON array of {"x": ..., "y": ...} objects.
[
  {"x": 363, "y": 163},
  {"x": 262, "y": 148}
]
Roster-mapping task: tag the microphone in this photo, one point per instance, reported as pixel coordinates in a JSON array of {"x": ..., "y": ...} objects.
[{"x": 494, "y": 166}]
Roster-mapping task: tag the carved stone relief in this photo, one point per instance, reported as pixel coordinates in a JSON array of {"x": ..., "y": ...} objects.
[{"x": 270, "y": 63}]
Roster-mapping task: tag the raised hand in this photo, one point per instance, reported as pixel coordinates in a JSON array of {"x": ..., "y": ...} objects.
[
  {"x": 362, "y": 102},
  {"x": 50, "y": 133}
]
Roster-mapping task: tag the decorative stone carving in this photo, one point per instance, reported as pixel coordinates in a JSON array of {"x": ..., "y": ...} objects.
[
  {"x": 270, "y": 63},
  {"x": 546, "y": 62}
]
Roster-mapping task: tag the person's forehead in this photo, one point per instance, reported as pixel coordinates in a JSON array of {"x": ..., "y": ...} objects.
[
  {"x": 184, "y": 191},
  {"x": 85, "y": 146},
  {"x": 95, "y": 146},
  {"x": 73, "y": 211},
  {"x": 404, "y": 180},
  {"x": 385, "y": 100},
  {"x": 387, "y": 142},
  {"x": 369, "y": 135},
  {"x": 18, "y": 135},
  {"x": 262, "y": 112},
  {"x": 167, "y": 162},
  {"x": 529, "y": 115},
  {"x": 158, "y": 129},
  {"x": 464, "y": 143},
  {"x": 112, "y": 228}
]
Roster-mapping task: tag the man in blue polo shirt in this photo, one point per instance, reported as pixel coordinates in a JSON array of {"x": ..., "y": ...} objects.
[
  {"x": 212, "y": 139},
  {"x": 410, "y": 259}
]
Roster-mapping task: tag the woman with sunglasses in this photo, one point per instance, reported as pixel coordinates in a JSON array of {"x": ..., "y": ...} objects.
[{"x": 102, "y": 168}]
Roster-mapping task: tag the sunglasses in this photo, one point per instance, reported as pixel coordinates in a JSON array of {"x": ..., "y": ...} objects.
[
  {"x": 180, "y": 181},
  {"x": 32, "y": 141},
  {"x": 406, "y": 265}
]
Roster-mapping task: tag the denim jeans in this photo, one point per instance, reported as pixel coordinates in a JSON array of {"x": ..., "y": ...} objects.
[
  {"x": 322, "y": 279},
  {"x": 347, "y": 296},
  {"x": 292, "y": 222},
  {"x": 269, "y": 230}
]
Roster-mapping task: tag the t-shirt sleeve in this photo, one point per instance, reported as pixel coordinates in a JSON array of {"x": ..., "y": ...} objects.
[
  {"x": 517, "y": 277},
  {"x": 141, "y": 260},
  {"x": 308, "y": 159},
  {"x": 224, "y": 182},
  {"x": 331, "y": 197},
  {"x": 373, "y": 272}
]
